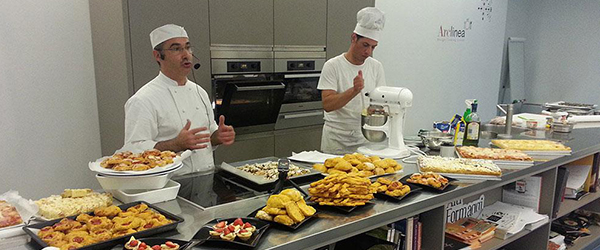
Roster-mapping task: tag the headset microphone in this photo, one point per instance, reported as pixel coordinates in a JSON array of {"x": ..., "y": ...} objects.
[{"x": 197, "y": 65}]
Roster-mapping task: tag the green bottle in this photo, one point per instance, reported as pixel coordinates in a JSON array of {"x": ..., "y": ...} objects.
[{"x": 472, "y": 131}]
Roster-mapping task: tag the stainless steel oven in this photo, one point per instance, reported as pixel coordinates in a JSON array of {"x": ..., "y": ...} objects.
[{"x": 302, "y": 100}]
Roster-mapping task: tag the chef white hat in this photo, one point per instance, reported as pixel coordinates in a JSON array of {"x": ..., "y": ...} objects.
[
  {"x": 166, "y": 32},
  {"x": 369, "y": 22}
]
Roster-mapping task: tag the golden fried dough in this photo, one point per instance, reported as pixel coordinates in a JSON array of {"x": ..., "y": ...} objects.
[
  {"x": 306, "y": 209},
  {"x": 284, "y": 219},
  {"x": 277, "y": 201},
  {"x": 320, "y": 167},
  {"x": 274, "y": 210},
  {"x": 293, "y": 211},
  {"x": 294, "y": 194},
  {"x": 343, "y": 166}
]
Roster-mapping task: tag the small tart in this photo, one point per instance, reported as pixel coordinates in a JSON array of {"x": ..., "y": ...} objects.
[
  {"x": 229, "y": 237},
  {"x": 244, "y": 234}
]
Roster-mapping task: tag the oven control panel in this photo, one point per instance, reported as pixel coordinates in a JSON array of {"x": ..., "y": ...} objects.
[
  {"x": 243, "y": 66},
  {"x": 301, "y": 65}
]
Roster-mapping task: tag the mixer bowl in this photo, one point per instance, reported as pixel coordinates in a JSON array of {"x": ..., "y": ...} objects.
[
  {"x": 435, "y": 139},
  {"x": 373, "y": 120}
]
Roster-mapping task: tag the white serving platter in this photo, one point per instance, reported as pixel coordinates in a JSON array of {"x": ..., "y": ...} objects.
[{"x": 177, "y": 162}]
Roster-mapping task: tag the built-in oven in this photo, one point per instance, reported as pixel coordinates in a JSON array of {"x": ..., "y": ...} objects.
[
  {"x": 243, "y": 87},
  {"x": 302, "y": 104}
]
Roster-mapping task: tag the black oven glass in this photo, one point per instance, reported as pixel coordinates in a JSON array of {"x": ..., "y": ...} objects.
[
  {"x": 251, "y": 103},
  {"x": 301, "y": 89}
]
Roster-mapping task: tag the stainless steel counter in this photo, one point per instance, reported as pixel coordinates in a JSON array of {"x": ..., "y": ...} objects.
[{"x": 331, "y": 227}]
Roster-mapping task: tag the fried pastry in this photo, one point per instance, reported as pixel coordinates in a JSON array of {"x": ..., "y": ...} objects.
[
  {"x": 320, "y": 167},
  {"x": 293, "y": 194},
  {"x": 71, "y": 246},
  {"x": 273, "y": 210},
  {"x": 343, "y": 166},
  {"x": 306, "y": 209},
  {"x": 277, "y": 201},
  {"x": 284, "y": 219},
  {"x": 263, "y": 215},
  {"x": 293, "y": 211}
]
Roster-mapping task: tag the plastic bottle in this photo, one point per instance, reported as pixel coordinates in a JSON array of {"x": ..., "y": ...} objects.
[
  {"x": 459, "y": 132},
  {"x": 472, "y": 130}
]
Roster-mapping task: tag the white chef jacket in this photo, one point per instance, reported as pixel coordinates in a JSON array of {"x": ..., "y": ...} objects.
[
  {"x": 342, "y": 132},
  {"x": 160, "y": 109}
]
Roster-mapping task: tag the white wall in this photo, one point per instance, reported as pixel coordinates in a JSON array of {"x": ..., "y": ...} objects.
[
  {"x": 562, "y": 51},
  {"x": 48, "y": 112},
  {"x": 442, "y": 72}
]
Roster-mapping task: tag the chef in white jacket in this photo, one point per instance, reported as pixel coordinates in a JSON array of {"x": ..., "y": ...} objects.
[
  {"x": 173, "y": 113},
  {"x": 344, "y": 81}
]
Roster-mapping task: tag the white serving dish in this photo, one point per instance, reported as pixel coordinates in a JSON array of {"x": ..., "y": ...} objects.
[
  {"x": 109, "y": 183},
  {"x": 168, "y": 192}
]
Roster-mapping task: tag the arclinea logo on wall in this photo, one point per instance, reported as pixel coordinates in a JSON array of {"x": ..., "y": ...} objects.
[{"x": 458, "y": 33}]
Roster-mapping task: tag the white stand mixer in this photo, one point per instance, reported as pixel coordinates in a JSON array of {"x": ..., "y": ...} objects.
[{"x": 391, "y": 102}]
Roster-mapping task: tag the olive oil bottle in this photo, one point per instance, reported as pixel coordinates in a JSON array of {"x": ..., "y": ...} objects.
[{"x": 472, "y": 130}]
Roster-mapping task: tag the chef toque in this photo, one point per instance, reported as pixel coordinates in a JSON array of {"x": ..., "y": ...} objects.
[
  {"x": 369, "y": 22},
  {"x": 166, "y": 32}
]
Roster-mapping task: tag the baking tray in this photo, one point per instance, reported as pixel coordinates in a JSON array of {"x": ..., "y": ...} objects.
[
  {"x": 259, "y": 180},
  {"x": 286, "y": 227},
  {"x": 343, "y": 209},
  {"x": 33, "y": 229},
  {"x": 204, "y": 234},
  {"x": 447, "y": 188},
  {"x": 570, "y": 105},
  {"x": 413, "y": 189}
]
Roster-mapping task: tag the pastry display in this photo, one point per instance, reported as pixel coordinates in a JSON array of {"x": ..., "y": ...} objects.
[
  {"x": 492, "y": 154},
  {"x": 9, "y": 216},
  {"x": 128, "y": 161},
  {"x": 88, "y": 229},
  {"x": 358, "y": 163},
  {"x": 531, "y": 145},
  {"x": 389, "y": 187},
  {"x": 268, "y": 170},
  {"x": 72, "y": 202},
  {"x": 287, "y": 208},
  {"x": 229, "y": 232},
  {"x": 439, "y": 164},
  {"x": 429, "y": 179},
  {"x": 341, "y": 189}
]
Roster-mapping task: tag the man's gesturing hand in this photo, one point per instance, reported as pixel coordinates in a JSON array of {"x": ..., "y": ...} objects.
[
  {"x": 359, "y": 82},
  {"x": 196, "y": 138},
  {"x": 225, "y": 133}
]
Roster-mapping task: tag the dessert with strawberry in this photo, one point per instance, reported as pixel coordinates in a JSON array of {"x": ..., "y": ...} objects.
[
  {"x": 228, "y": 235},
  {"x": 244, "y": 234}
]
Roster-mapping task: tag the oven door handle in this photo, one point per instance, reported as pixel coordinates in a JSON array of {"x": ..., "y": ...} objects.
[
  {"x": 300, "y": 115},
  {"x": 302, "y": 76},
  {"x": 264, "y": 87}
]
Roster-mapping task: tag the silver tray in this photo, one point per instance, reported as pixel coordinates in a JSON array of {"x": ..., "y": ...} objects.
[
  {"x": 567, "y": 105},
  {"x": 233, "y": 169}
]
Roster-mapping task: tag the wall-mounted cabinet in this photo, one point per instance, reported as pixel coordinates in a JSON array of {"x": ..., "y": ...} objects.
[
  {"x": 241, "y": 22},
  {"x": 341, "y": 20},
  {"x": 145, "y": 16},
  {"x": 300, "y": 22}
]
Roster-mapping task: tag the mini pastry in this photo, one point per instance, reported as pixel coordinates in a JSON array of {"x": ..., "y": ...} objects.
[
  {"x": 238, "y": 224},
  {"x": 132, "y": 243},
  {"x": 249, "y": 227},
  {"x": 244, "y": 234},
  {"x": 232, "y": 228},
  {"x": 221, "y": 224},
  {"x": 169, "y": 246},
  {"x": 263, "y": 215},
  {"x": 45, "y": 231},
  {"x": 228, "y": 235},
  {"x": 216, "y": 233}
]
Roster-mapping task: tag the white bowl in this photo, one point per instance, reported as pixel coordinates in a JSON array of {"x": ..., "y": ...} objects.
[
  {"x": 166, "y": 193},
  {"x": 133, "y": 182}
]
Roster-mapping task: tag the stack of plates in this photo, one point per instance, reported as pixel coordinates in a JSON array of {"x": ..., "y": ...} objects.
[{"x": 154, "y": 178}]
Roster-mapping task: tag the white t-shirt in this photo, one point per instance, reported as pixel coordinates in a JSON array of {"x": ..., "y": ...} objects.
[
  {"x": 160, "y": 109},
  {"x": 338, "y": 74}
]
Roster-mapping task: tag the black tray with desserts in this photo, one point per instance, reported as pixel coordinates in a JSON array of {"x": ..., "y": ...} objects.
[
  {"x": 150, "y": 242},
  {"x": 32, "y": 230},
  {"x": 227, "y": 233},
  {"x": 286, "y": 227},
  {"x": 444, "y": 188}
]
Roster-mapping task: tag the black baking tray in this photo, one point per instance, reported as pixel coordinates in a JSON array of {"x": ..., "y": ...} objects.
[
  {"x": 413, "y": 189},
  {"x": 286, "y": 227},
  {"x": 447, "y": 188},
  {"x": 204, "y": 234},
  {"x": 343, "y": 209},
  {"x": 114, "y": 241}
]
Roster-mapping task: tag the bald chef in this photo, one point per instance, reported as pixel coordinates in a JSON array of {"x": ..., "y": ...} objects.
[
  {"x": 173, "y": 113},
  {"x": 345, "y": 79}
]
